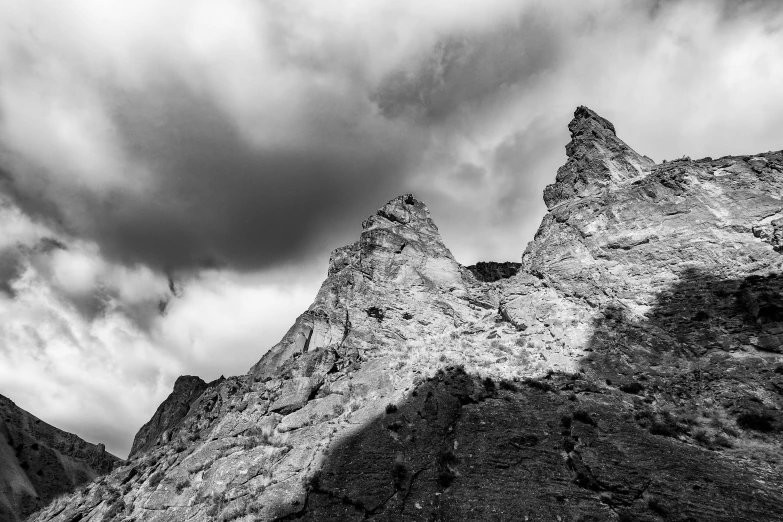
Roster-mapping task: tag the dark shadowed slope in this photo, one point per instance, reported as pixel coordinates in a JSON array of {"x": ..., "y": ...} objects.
[{"x": 39, "y": 462}]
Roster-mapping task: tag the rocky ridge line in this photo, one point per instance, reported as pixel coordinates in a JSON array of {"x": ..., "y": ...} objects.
[
  {"x": 631, "y": 369},
  {"x": 38, "y": 462}
]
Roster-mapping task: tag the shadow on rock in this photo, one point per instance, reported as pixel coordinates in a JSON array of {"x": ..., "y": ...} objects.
[
  {"x": 704, "y": 339},
  {"x": 464, "y": 448}
]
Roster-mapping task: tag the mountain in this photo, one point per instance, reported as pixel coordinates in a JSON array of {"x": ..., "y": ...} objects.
[
  {"x": 38, "y": 462},
  {"x": 187, "y": 388},
  {"x": 629, "y": 368}
]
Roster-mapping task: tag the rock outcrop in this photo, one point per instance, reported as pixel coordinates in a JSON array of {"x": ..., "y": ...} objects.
[
  {"x": 187, "y": 388},
  {"x": 38, "y": 462},
  {"x": 629, "y": 369},
  {"x": 598, "y": 161},
  {"x": 491, "y": 271}
]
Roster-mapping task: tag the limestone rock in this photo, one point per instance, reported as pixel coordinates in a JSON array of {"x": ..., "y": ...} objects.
[{"x": 629, "y": 368}]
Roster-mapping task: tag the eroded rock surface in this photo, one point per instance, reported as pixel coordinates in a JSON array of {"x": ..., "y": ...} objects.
[
  {"x": 187, "y": 388},
  {"x": 629, "y": 370},
  {"x": 491, "y": 271},
  {"x": 38, "y": 462}
]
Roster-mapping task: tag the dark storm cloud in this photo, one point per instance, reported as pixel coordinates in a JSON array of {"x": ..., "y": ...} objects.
[
  {"x": 247, "y": 135},
  {"x": 219, "y": 200},
  {"x": 9, "y": 271},
  {"x": 461, "y": 71}
]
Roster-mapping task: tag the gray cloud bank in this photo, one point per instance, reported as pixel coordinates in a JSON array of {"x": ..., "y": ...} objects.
[
  {"x": 233, "y": 143},
  {"x": 246, "y": 134}
]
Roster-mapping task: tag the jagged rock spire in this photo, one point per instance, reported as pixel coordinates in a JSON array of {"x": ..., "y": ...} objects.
[
  {"x": 399, "y": 251},
  {"x": 597, "y": 160}
]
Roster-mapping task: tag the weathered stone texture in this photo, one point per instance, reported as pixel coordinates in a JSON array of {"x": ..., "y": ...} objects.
[{"x": 629, "y": 369}]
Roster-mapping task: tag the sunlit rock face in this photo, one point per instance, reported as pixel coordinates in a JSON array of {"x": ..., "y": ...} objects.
[
  {"x": 39, "y": 462},
  {"x": 598, "y": 161},
  {"x": 628, "y": 369}
]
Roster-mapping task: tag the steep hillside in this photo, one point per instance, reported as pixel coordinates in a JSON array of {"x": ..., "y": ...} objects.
[
  {"x": 187, "y": 388},
  {"x": 629, "y": 369},
  {"x": 39, "y": 462}
]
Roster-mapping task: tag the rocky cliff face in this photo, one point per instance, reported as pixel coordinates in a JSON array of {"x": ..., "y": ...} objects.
[
  {"x": 629, "y": 370},
  {"x": 38, "y": 462},
  {"x": 187, "y": 388}
]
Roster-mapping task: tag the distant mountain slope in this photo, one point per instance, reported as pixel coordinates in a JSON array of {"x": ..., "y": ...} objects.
[
  {"x": 38, "y": 462},
  {"x": 629, "y": 369}
]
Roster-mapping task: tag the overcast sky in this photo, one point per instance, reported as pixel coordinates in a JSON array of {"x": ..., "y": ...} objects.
[{"x": 222, "y": 149}]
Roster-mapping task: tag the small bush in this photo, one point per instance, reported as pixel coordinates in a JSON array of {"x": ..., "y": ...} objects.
[
  {"x": 256, "y": 436},
  {"x": 731, "y": 432},
  {"x": 489, "y": 384},
  {"x": 115, "y": 509},
  {"x": 445, "y": 462},
  {"x": 662, "y": 423},
  {"x": 233, "y": 512},
  {"x": 182, "y": 484},
  {"x": 155, "y": 479},
  {"x": 539, "y": 385},
  {"x": 722, "y": 441},
  {"x": 702, "y": 437},
  {"x": 251, "y": 442},
  {"x": 583, "y": 416},
  {"x": 633, "y": 387},
  {"x": 216, "y": 503},
  {"x": 755, "y": 420},
  {"x": 508, "y": 385},
  {"x": 399, "y": 472},
  {"x": 376, "y": 313},
  {"x": 656, "y": 505},
  {"x": 390, "y": 408},
  {"x": 506, "y": 349}
]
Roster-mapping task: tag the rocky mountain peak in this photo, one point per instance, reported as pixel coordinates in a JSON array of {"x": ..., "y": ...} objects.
[
  {"x": 584, "y": 118},
  {"x": 402, "y": 226},
  {"x": 187, "y": 388},
  {"x": 597, "y": 162},
  {"x": 402, "y": 210},
  {"x": 395, "y": 270},
  {"x": 630, "y": 368}
]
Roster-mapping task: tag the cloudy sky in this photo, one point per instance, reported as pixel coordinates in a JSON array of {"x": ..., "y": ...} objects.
[{"x": 173, "y": 175}]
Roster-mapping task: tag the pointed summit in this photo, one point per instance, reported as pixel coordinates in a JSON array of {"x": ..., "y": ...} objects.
[
  {"x": 597, "y": 160},
  {"x": 399, "y": 265}
]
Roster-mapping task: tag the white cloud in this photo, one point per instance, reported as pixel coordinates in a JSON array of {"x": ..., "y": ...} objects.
[
  {"x": 474, "y": 95},
  {"x": 103, "y": 375}
]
